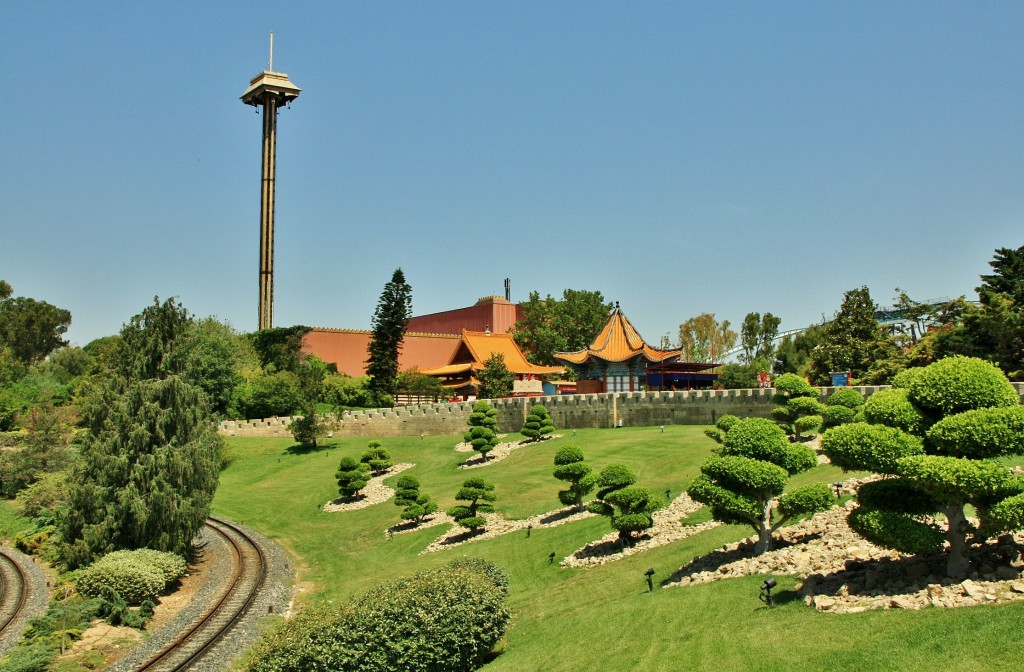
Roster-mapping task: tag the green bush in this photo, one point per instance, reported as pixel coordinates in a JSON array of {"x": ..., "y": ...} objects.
[
  {"x": 957, "y": 384},
  {"x": 762, "y": 439},
  {"x": 862, "y": 447},
  {"x": 792, "y": 385},
  {"x": 906, "y": 377},
  {"x": 807, "y": 499},
  {"x": 807, "y": 424},
  {"x": 893, "y": 408},
  {"x": 442, "y": 620},
  {"x": 896, "y": 531},
  {"x": 726, "y": 422},
  {"x": 896, "y": 495},
  {"x": 837, "y": 415},
  {"x": 133, "y": 579},
  {"x": 846, "y": 397},
  {"x": 978, "y": 434},
  {"x": 170, "y": 565}
]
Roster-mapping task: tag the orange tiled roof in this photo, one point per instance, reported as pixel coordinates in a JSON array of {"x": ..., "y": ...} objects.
[
  {"x": 618, "y": 341},
  {"x": 481, "y": 346}
]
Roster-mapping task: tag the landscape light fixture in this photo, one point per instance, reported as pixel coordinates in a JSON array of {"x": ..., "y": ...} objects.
[
  {"x": 551, "y": 557},
  {"x": 529, "y": 528},
  {"x": 766, "y": 590},
  {"x": 668, "y": 494},
  {"x": 839, "y": 487},
  {"x": 650, "y": 580}
]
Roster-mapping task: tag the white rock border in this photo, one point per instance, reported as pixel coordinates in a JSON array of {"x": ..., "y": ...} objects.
[{"x": 374, "y": 492}]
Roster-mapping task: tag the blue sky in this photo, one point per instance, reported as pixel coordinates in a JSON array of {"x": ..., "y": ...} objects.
[{"x": 680, "y": 157}]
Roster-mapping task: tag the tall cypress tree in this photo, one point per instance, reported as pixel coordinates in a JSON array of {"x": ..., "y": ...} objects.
[{"x": 389, "y": 320}]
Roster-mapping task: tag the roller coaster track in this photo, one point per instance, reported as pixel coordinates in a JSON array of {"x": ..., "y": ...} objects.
[
  {"x": 14, "y": 589},
  {"x": 249, "y": 572}
]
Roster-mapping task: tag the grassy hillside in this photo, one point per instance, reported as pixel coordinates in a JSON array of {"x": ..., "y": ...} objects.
[{"x": 601, "y": 618}]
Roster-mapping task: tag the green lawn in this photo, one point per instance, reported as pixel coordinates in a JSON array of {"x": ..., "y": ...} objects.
[{"x": 601, "y": 618}]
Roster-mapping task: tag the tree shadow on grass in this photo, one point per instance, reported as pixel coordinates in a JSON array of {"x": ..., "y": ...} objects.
[
  {"x": 715, "y": 560},
  {"x": 306, "y": 449}
]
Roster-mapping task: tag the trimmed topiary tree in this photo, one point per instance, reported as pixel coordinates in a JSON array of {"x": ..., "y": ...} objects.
[
  {"x": 483, "y": 432},
  {"x": 844, "y": 405},
  {"x": 417, "y": 505},
  {"x": 570, "y": 467},
  {"x": 722, "y": 427},
  {"x": 797, "y": 408},
  {"x": 352, "y": 476},
  {"x": 936, "y": 437},
  {"x": 376, "y": 457},
  {"x": 479, "y": 494},
  {"x": 750, "y": 472},
  {"x": 447, "y": 619},
  {"x": 538, "y": 424},
  {"x": 630, "y": 508}
]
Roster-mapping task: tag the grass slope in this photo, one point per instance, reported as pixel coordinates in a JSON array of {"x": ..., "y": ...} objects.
[{"x": 601, "y": 618}]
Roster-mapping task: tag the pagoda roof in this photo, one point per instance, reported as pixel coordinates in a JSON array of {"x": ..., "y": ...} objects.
[
  {"x": 619, "y": 341},
  {"x": 479, "y": 346}
]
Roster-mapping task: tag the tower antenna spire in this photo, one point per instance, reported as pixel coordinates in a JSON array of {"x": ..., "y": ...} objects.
[{"x": 270, "y": 66}]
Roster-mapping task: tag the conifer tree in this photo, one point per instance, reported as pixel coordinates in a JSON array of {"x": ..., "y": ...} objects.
[
  {"x": 630, "y": 508},
  {"x": 394, "y": 308},
  {"x": 479, "y": 495},
  {"x": 377, "y": 457},
  {"x": 418, "y": 505},
  {"x": 352, "y": 476},
  {"x": 483, "y": 422},
  {"x": 570, "y": 467},
  {"x": 150, "y": 453},
  {"x": 538, "y": 424}
]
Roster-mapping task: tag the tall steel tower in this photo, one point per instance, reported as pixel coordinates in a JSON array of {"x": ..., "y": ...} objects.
[{"x": 269, "y": 90}]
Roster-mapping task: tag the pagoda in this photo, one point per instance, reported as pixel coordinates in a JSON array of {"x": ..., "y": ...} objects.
[
  {"x": 619, "y": 360},
  {"x": 474, "y": 349}
]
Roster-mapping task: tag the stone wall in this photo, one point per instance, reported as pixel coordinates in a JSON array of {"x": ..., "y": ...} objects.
[{"x": 573, "y": 411}]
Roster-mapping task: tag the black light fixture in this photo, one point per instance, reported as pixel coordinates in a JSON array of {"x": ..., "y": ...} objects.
[
  {"x": 529, "y": 528},
  {"x": 551, "y": 557},
  {"x": 650, "y": 581},
  {"x": 668, "y": 494},
  {"x": 766, "y": 590},
  {"x": 839, "y": 487}
]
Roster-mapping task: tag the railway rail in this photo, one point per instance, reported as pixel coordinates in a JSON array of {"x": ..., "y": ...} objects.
[
  {"x": 14, "y": 584},
  {"x": 200, "y": 638}
]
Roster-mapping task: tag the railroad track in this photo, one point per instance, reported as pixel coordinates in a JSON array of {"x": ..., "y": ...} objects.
[
  {"x": 14, "y": 586},
  {"x": 247, "y": 577}
]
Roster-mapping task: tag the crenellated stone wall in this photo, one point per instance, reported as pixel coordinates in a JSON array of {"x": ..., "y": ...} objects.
[{"x": 574, "y": 411}]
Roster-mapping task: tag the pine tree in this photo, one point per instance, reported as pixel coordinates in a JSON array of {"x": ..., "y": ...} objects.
[
  {"x": 570, "y": 467},
  {"x": 389, "y": 321},
  {"x": 418, "y": 505},
  {"x": 479, "y": 495}
]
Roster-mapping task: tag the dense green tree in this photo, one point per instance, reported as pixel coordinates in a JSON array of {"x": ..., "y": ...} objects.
[
  {"x": 352, "y": 476},
  {"x": 742, "y": 483},
  {"x": 418, "y": 505},
  {"x": 757, "y": 336},
  {"x": 267, "y": 395},
  {"x": 479, "y": 495},
  {"x": 1007, "y": 275},
  {"x": 935, "y": 435},
  {"x": 853, "y": 341},
  {"x": 45, "y": 449},
  {"x": 552, "y": 325},
  {"x": 570, "y": 467},
  {"x": 343, "y": 392},
  {"x": 538, "y": 423},
  {"x": 147, "y": 473},
  {"x": 32, "y": 329},
  {"x": 495, "y": 378},
  {"x": 705, "y": 339},
  {"x": 793, "y": 353},
  {"x": 394, "y": 308},
  {"x": 311, "y": 425},
  {"x": 217, "y": 357},
  {"x": 742, "y": 376},
  {"x": 483, "y": 428},
  {"x": 630, "y": 508},
  {"x": 5, "y": 290},
  {"x": 416, "y": 384},
  {"x": 280, "y": 348},
  {"x": 150, "y": 455}
]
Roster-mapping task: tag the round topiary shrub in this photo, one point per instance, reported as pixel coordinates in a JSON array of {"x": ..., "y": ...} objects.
[
  {"x": 726, "y": 422},
  {"x": 957, "y": 384},
  {"x": 443, "y": 620},
  {"x": 892, "y": 408},
  {"x": 837, "y": 415},
  {"x": 846, "y": 397},
  {"x": 762, "y": 439},
  {"x": 863, "y": 447}
]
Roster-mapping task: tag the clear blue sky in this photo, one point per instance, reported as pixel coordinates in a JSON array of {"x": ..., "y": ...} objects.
[{"x": 680, "y": 157}]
